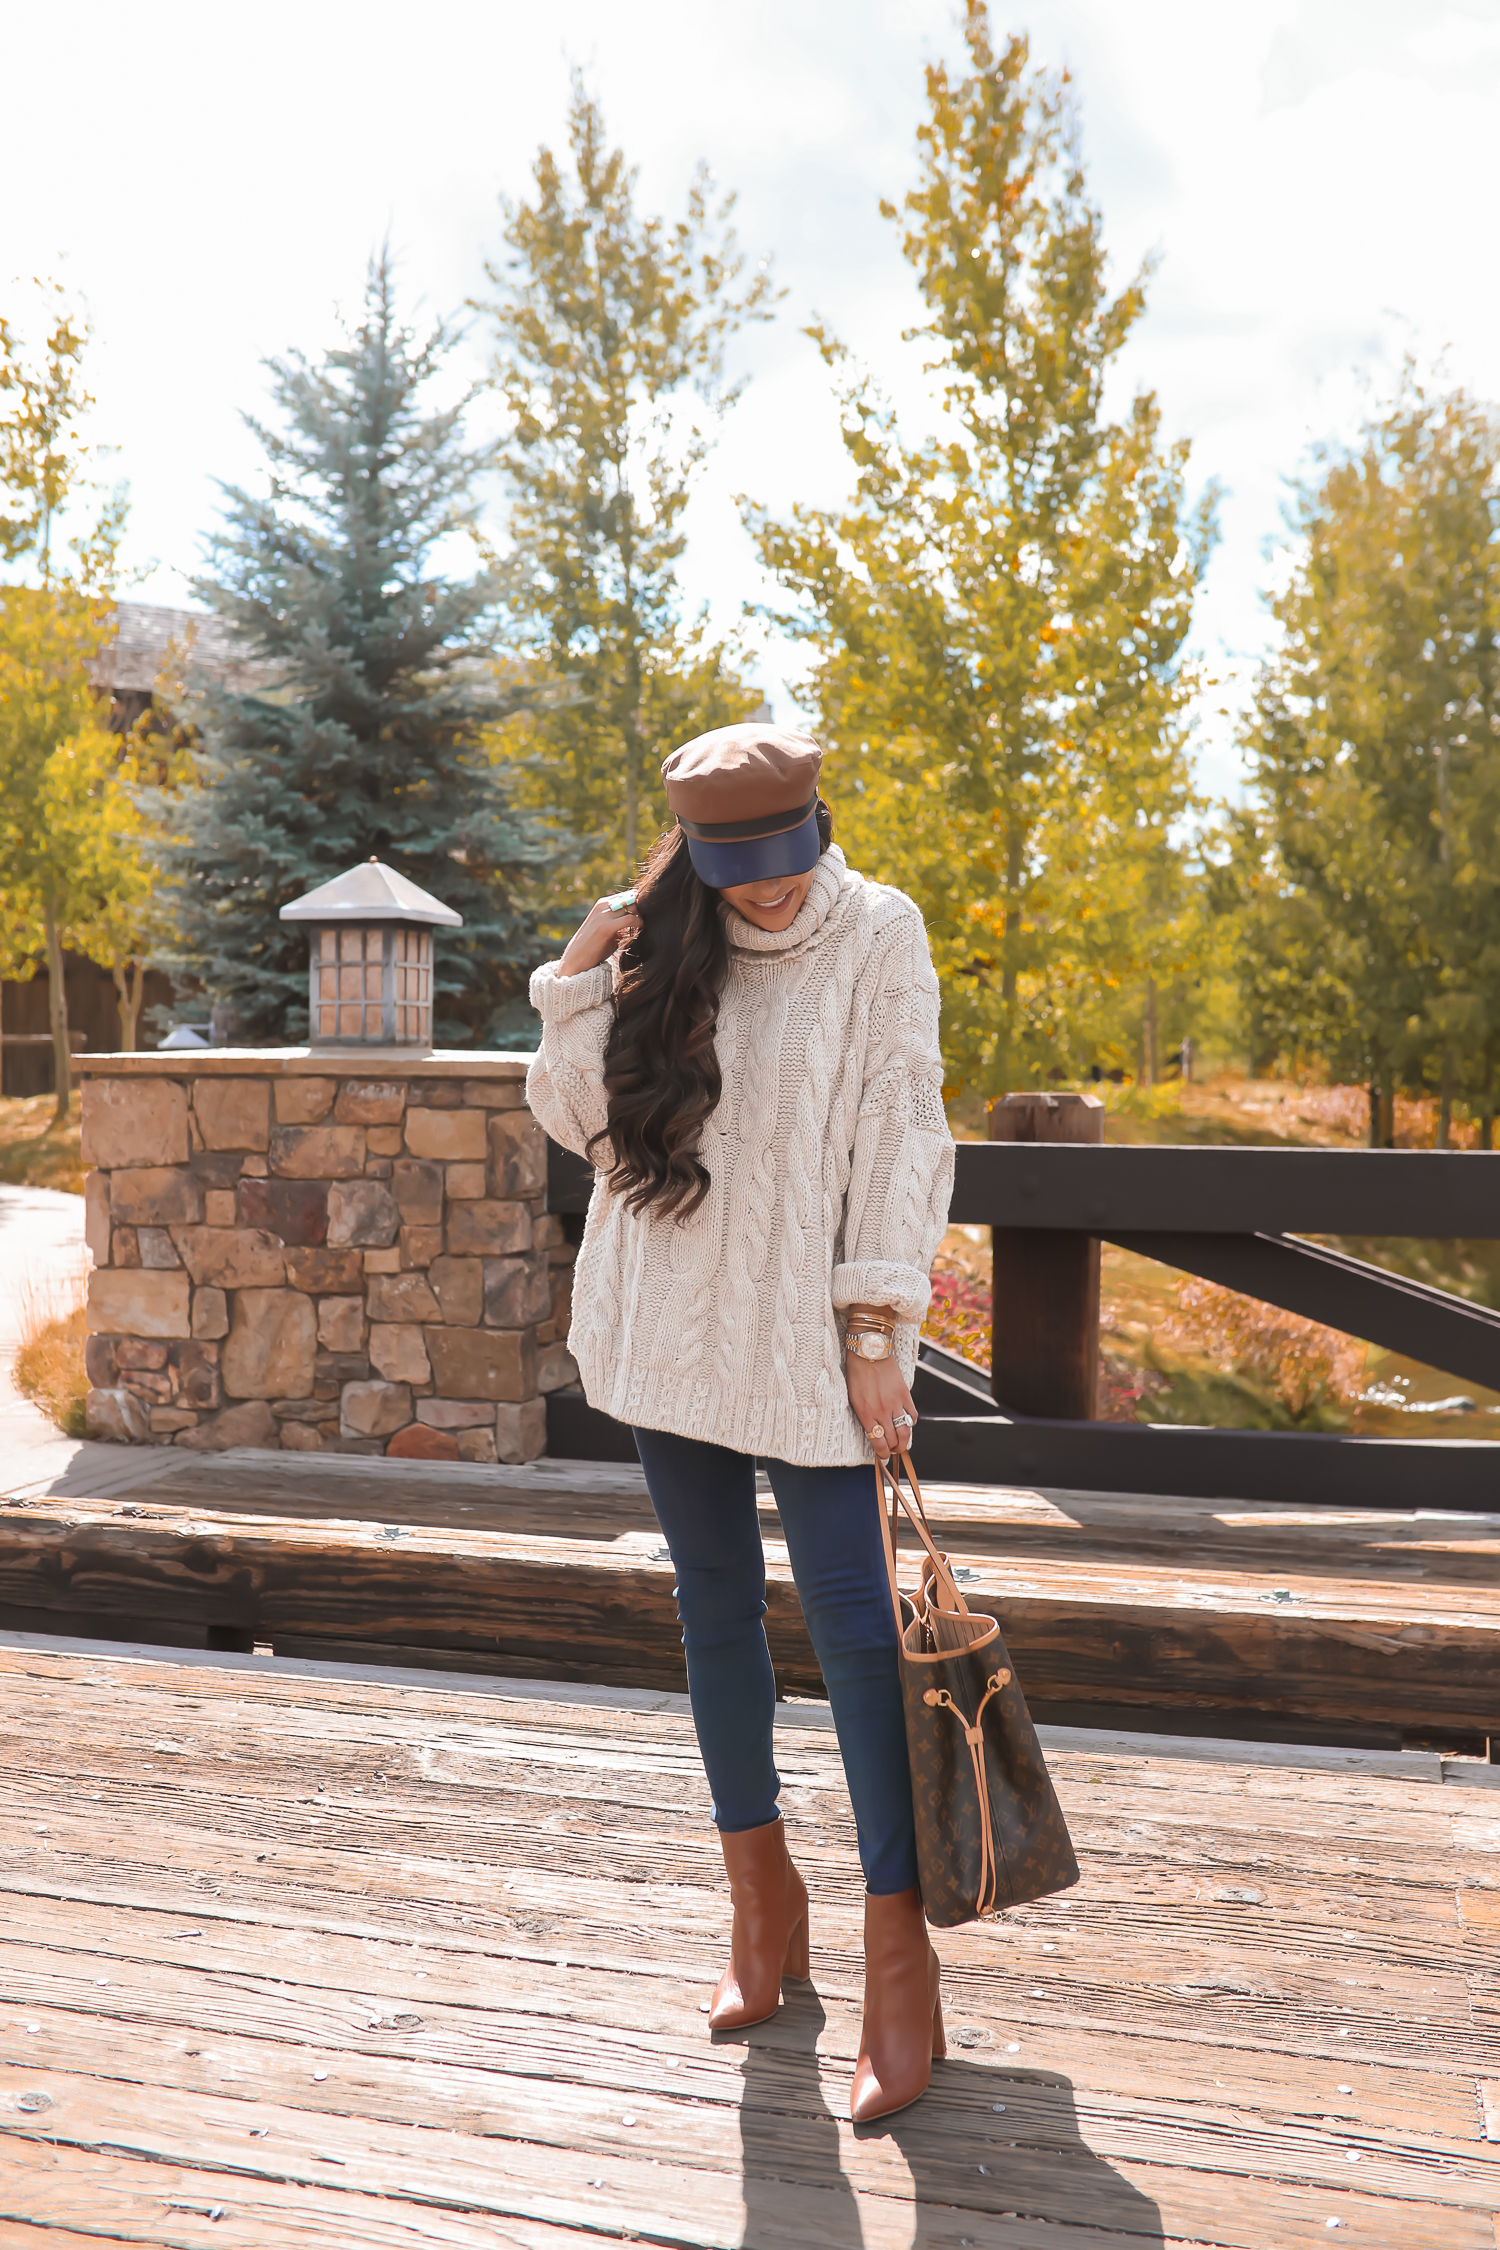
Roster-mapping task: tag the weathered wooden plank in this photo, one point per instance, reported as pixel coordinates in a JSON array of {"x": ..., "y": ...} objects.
[
  {"x": 496, "y": 1790},
  {"x": 1416, "y": 1655},
  {"x": 1248, "y": 1190},
  {"x": 390, "y": 1976},
  {"x": 596, "y": 1500},
  {"x": 711, "y": 2156},
  {"x": 264, "y": 2216},
  {"x": 104, "y": 2196},
  {"x": 476, "y": 2065},
  {"x": 502, "y": 1836},
  {"x": 1307, "y": 2004}
]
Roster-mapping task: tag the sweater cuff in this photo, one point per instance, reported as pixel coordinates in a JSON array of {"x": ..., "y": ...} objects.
[
  {"x": 558, "y": 999},
  {"x": 875, "y": 1282}
]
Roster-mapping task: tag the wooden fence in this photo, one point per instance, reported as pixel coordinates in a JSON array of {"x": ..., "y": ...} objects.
[{"x": 1237, "y": 1216}]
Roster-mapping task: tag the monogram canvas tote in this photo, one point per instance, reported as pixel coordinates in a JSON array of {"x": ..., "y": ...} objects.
[{"x": 990, "y": 1831}]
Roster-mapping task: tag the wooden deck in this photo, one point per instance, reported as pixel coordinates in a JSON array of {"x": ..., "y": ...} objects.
[
  {"x": 378, "y": 1962},
  {"x": 1348, "y": 1624}
]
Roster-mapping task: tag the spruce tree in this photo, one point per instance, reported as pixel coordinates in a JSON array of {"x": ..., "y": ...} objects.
[{"x": 375, "y": 684}]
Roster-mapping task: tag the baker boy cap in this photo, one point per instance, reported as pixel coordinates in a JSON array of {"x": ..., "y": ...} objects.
[{"x": 746, "y": 798}]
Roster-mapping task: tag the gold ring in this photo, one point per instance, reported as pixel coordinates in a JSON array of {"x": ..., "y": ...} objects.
[{"x": 876, "y": 1430}]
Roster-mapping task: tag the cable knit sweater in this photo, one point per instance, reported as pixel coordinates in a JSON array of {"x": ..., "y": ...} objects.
[{"x": 831, "y": 1166}]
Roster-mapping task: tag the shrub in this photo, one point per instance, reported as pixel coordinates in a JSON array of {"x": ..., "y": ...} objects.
[
  {"x": 1257, "y": 1356},
  {"x": 49, "y": 1364}
]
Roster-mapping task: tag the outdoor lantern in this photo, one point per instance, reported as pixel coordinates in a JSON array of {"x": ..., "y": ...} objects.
[{"x": 370, "y": 958}]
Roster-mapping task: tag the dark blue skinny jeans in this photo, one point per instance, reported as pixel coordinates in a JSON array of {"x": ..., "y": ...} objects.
[{"x": 704, "y": 1497}]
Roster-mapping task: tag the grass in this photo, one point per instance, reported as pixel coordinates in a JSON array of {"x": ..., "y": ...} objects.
[
  {"x": 36, "y": 1153},
  {"x": 49, "y": 1364}
]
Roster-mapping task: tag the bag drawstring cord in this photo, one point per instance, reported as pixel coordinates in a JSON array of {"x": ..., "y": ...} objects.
[{"x": 984, "y": 1905}]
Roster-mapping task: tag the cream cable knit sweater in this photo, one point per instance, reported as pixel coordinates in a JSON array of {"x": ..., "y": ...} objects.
[{"x": 831, "y": 1166}]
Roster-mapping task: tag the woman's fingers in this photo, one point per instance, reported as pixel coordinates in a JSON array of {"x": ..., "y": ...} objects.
[
  {"x": 905, "y": 1419},
  {"x": 602, "y": 929},
  {"x": 617, "y": 924},
  {"x": 878, "y": 1393}
]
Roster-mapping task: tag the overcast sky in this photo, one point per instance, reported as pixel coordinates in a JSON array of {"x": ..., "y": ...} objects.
[{"x": 1318, "y": 179}]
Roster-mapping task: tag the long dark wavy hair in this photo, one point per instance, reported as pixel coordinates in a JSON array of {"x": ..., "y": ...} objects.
[{"x": 661, "y": 1075}]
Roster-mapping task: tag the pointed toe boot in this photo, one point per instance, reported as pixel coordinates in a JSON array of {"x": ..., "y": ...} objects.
[
  {"x": 769, "y": 1937},
  {"x": 903, "y": 2027}
]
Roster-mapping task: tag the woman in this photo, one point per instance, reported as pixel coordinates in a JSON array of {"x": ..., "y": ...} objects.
[{"x": 746, "y": 1047}]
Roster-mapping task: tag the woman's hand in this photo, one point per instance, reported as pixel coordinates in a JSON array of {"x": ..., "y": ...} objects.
[
  {"x": 878, "y": 1393},
  {"x": 603, "y": 929}
]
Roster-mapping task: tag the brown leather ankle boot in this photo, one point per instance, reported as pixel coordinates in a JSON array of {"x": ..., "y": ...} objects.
[
  {"x": 769, "y": 1938},
  {"x": 903, "y": 2027}
]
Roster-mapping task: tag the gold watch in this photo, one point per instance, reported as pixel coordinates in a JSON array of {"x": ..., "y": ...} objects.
[{"x": 870, "y": 1343}]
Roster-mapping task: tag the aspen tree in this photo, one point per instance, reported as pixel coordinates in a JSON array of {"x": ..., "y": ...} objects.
[
  {"x": 998, "y": 614},
  {"x": 610, "y": 330}
]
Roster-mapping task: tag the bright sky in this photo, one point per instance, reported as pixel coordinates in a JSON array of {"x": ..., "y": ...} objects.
[{"x": 1317, "y": 178}]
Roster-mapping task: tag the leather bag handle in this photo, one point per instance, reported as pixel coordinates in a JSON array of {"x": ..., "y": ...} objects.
[{"x": 949, "y": 1597}]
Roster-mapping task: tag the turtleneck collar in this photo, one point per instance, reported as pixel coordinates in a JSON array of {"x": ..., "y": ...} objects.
[{"x": 831, "y": 877}]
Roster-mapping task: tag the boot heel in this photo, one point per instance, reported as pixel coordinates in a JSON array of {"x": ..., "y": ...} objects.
[
  {"x": 798, "y": 1961},
  {"x": 939, "y": 2035}
]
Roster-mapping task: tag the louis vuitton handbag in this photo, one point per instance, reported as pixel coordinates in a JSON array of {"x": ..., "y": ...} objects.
[{"x": 990, "y": 1831}]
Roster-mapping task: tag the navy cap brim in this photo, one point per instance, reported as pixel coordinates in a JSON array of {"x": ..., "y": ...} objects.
[{"x": 756, "y": 859}]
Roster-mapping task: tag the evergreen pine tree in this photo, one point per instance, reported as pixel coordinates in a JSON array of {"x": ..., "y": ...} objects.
[{"x": 375, "y": 686}]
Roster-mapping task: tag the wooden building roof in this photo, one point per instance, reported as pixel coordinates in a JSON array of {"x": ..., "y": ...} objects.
[{"x": 132, "y": 663}]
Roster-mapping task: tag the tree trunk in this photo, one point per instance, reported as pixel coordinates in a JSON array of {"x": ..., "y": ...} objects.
[
  {"x": 1150, "y": 1064},
  {"x": 1010, "y": 936},
  {"x": 57, "y": 1015},
  {"x": 1382, "y": 1112},
  {"x": 632, "y": 815},
  {"x": 1445, "y": 1102},
  {"x": 632, "y": 730},
  {"x": 130, "y": 990}
]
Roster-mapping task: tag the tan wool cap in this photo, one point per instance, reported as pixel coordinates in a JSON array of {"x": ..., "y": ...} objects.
[{"x": 744, "y": 781}]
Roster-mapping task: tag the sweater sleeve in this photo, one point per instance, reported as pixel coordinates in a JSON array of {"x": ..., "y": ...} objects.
[
  {"x": 901, "y": 1179},
  {"x": 565, "y": 1084}
]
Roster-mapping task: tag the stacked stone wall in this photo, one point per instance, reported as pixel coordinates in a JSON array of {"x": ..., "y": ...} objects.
[{"x": 322, "y": 1257}]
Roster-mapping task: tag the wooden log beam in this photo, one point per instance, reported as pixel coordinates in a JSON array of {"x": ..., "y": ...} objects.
[
  {"x": 1430, "y": 1325},
  {"x": 1453, "y": 1194},
  {"x": 1318, "y": 1646},
  {"x": 1300, "y": 1466},
  {"x": 1045, "y": 1352}
]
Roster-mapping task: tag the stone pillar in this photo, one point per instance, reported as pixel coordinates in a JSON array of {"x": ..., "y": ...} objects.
[{"x": 320, "y": 1252}]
